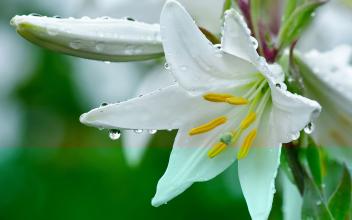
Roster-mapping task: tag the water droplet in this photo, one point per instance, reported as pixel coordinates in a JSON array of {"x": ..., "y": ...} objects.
[
  {"x": 105, "y": 18},
  {"x": 99, "y": 47},
  {"x": 313, "y": 14},
  {"x": 183, "y": 68},
  {"x": 290, "y": 79},
  {"x": 167, "y": 66},
  {"x": 130, "y": 19},
  {"x": 295, "y": 136},
  {"x": 51, "y": 31},
  {"x": 254, "y": 42},
  {"x": 75, "y": 45},
  {"x": 278, "y": 85},
  {"x": 35, "y": 15},
  {"x": 85, "y": 18},
  {"x": 309, "y": 128},
  {"x": 152, "y": 131},
  {"x": 217, "y": 46},
  {"x": 100, "y": 128},
  {"x": 169, "y": 129},
  {"x": 318, "y": 202},
  {"x": 114, "y": 134},
  {"x": 57, "y": 16},
  {"x": 104, "y": 104},
  {"x": 107, "y": 62},
  {"x": 138, "y": 131}
]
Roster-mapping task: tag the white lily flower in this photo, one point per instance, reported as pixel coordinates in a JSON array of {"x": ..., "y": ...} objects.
[
  {"x": 225, "y": 100},
  {"x": 292, "y": 200},
  {"x": 330, "y": 82},
  {"x": 102, "y": 38}
]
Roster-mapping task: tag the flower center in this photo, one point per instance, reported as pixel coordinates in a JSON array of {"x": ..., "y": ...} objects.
[{"x": 256, "y": 97}]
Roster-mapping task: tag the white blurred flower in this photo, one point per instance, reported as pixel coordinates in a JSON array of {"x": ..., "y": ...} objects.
[{"x": 330, "y": 82}]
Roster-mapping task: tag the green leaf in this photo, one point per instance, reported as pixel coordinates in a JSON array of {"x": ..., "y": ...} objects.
[
  {"x": 297, "y": 21},
  {"x": 314, "y": 206},
  {"x": 340, "y": 201},
  {"x": 314, "y": 161}
]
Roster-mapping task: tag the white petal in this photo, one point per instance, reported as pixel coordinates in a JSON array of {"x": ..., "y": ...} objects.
[
  {"x": 194, "y": 61},
  {"x": 167, "y": 108},
  {"x": 206, "y": 13},
  {"x": 292, "y": 200},
  {"x": 257, "y": 171},
  {"x": 134, "y": 144},
  {"x": 237, "y": 39},
  {"x": 190, "y": 163},
  {"x": 99, "y": 39},
  {"x": 291, "y": 113}
]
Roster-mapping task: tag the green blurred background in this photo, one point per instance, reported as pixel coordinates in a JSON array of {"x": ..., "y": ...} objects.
[{"x": 53, "y": 167}]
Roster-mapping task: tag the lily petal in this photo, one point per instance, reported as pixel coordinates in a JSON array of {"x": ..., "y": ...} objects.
[
  {"x": 257, "y": 172},
  {"x": 103, "y": 39},
  {"x": 291, "y": 113},
  {"x": 190, "y": 163},
  {"x": 194, "y": 61},
  {"x": 134, "y": 145},
  {"x": 207, "y": 13},
  {"x": 167, "y": 108},
  {"x": 236, "y": 38}
]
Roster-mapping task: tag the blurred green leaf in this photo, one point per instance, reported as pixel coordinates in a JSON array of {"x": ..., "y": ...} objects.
[
  {"x": 314, "y": 161},
  {"x": 297, "y": 21},
  {"x": 340, "y": 201},
  {"x": 314, "y": 206}
]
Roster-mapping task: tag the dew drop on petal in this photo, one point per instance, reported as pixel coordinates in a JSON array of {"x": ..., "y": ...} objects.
[
  {"x": 130, "y": 19},
  {"x": 114, "y": 134},
  {"x": 138, "y": 131},
  {"x": 107, "y": 62},
  {"x": 169, "y": 129},
  {"x": 254, "y": 42},
  {"x": 103, "y": 104},
  {"x": 153, "y": 131},
  {"x": 295, "y": 136},
  {"x": 309, "y": 128},
  {"x": 57, "y": 16},
  {"x": 35, "y": 15},
  {"x": 318, "y": 202}
]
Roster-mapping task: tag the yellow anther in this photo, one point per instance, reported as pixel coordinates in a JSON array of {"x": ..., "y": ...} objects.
[
  {"x": 250, "y": 118},
  {"x": 208, "y": 126},
  {"x": 217, "y": 97},
  {"x": 247, "y": 143},
  {"x": 237, "y": 101},
  {"x": 217, "y": 149}
]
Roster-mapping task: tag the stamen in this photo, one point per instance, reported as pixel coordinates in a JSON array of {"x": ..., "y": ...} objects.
[
  {"x": 217, "y": 149},
  {"x": 208, "y": 126},
  {"x": 247, "y": 143},
  {"x": 237, "y": 101},
  {"x": 250, "y": 118},
  {"x": 217, "y": 97}
]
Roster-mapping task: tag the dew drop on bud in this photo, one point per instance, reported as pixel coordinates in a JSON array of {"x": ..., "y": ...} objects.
[
  {"x": 152, "y": 131},
  {"x": 114, "y": 134},
  {"x": 309, "y": 128},
  {"x": 167, "y": 66},
  {"x": 138, "y": 131}
]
